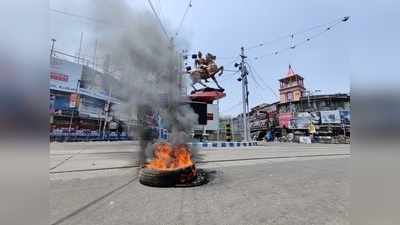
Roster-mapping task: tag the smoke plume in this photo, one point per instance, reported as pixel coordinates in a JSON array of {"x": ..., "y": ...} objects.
[{"x": 148, "y": 66}]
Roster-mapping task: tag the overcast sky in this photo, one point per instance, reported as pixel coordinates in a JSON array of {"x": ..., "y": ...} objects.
[{"x": 351, "y": 49}]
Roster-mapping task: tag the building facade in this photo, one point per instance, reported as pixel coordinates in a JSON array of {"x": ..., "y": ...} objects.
[
  {"x": 87, "y": 104},
  {"x": 291, "y": 87},
  {"x": 295, "y": 111}
]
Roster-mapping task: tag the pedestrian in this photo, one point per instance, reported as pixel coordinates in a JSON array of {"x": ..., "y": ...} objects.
[{"x": 311, "y": 131}]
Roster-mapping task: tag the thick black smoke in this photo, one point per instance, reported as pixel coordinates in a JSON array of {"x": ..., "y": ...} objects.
[{"x": 149, "y": 68}]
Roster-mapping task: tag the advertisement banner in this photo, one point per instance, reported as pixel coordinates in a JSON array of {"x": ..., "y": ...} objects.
[
  {"x": 73, "y": 100},
  {"x": 61, "y": 103},
  {"x": 301, "y": 120},
  {"x": 345, "y": 117},
  {"x": 95, "y": 84},
  {"x": 284, "y": 119},
  {"x": 94, "y": 94},
  {"x": 91, "y": 107},
  {"x": 64, "y": 75},
  {"x": 332, "y": 116}
]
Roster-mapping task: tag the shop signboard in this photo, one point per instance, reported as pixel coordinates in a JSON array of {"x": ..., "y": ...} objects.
[
  {"x": 91, "y": 107},
  {"x": 64, "y": 75},
  {"x": 100, "y": 95},
  {"x": 330, "y": 117},
  {"x": 301, "y": 120},
  {"x": 61, "y": 103},
  {"x": 284, "y": 119},
  {"x": 97, "y": 85},
  {"x": 345, "y": 117}
]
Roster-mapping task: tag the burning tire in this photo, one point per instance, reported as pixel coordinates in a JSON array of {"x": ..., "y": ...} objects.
[
  {"x": 167, "y": 178},
  {"x": 172, "y": 166}
]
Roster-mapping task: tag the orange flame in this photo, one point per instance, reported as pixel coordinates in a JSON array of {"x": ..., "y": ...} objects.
[{"x": 167, "y": 157}]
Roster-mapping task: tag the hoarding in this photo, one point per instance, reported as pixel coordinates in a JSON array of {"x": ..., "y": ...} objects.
[
  {"x": 91, "y": 107},
  {"x": 284, "y": 119},
  {"x": 61, "y": 103},
  {"x": 301, "y": 120},
  {"x": 345, "y": 117},
  {"x": 73, "y": 100},
  {"x": 64, "y": 75},
  {"x": 98, "y": 85},
  {"x": 332, "y": 116}
]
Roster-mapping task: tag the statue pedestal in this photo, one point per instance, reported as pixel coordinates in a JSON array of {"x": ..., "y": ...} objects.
[{"x": 207, "y": 95}]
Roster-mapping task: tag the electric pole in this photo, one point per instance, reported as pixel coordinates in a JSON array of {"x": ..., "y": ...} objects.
[
  {"x": 107, "y": 111},
  {"x": 245, "y": 94},
  {"x": 53, "y": 40}
]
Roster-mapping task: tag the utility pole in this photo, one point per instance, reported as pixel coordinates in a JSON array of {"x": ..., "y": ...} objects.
[
  {"x": 53, "y": 40},
  {"x": 107, "y": 109},
  {"x": 94, "y": 56},
  {"x": 245, "y": 94},
  {"x": 80, "y": 48}
]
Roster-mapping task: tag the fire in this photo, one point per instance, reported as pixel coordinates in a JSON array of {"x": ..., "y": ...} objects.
[{"x": 167, "y": 157}]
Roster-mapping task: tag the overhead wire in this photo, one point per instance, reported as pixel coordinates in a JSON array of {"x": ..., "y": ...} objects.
[
  {"x": 230, "y": 76},
  {"x": 281, "y": 37},
  {"x": 230, "y": 63},
  {"x": 232, "y": 107},
  {"x": 158, "y": 19},
  {"x": 183, "y": 18},
  {"x": 253, "y": 71},
  {"x": 78, "y": 16},
  {"x": 300, "y": 43}
]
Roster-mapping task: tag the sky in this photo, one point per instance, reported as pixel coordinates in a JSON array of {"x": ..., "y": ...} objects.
[{"x": 330, "y": 62}]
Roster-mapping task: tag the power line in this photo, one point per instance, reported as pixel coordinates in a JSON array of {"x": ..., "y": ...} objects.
[
  {"x": 79, "y": 16},
  {"x": 255, "y": 80},
  {"x": 183, "y": 18},
  {"x": 230, "y": 62},
  {"x": 293, "y": 46},
  {"x": 160, "y": 10},
  {"x": 158, "y": 18},
  {"x": 253, "y": 71},
  {"x": 232, "y": 107},
  {"x": 291, "y": 35},
  {"x": 230, "y": 76}
]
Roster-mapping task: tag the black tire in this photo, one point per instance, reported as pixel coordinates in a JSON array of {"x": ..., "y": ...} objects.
[
  {"x": 200, "y": 179},
  {"x": 162, "y": 178}
]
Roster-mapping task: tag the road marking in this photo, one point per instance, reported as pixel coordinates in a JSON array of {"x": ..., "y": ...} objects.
[{"x": 204, "y": 162}]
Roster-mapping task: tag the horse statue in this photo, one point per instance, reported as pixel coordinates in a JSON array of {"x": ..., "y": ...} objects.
[{"x": 204, "y": 69}]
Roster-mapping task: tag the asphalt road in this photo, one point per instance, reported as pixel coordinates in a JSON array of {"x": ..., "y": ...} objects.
[{"x": 275, "y": 184}]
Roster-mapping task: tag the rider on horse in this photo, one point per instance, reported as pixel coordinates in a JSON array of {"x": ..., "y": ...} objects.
[{"x": 205, "y": 68}]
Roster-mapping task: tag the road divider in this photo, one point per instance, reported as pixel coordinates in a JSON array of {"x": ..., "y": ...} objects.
[{"x": 214, "y": 145}]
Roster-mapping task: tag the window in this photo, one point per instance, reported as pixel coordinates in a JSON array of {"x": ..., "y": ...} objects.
[{"x": 290, "y": 96}]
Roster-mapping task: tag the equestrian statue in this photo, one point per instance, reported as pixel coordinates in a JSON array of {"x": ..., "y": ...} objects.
[{"x": 204, "y": 69}]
